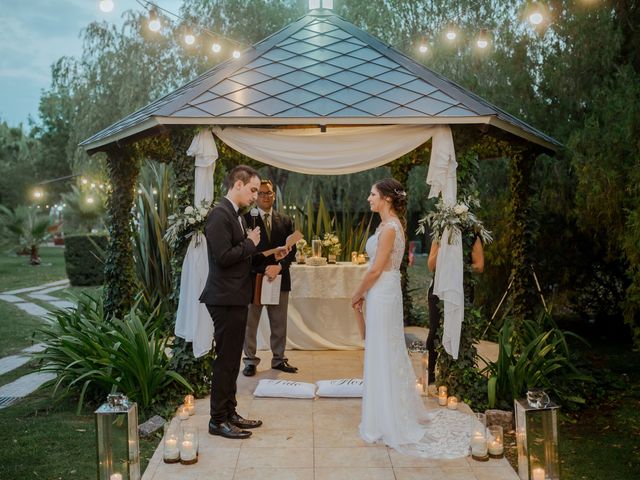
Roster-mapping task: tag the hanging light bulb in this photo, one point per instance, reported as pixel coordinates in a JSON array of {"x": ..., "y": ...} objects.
[
  {"x": 423, "y": 48},
  {"x": 536, "y": 18},
  {"x": 236, "y": 54},
  {"x": 451, "y": 34},
  {"x": 106, "y": 5},
  {"x": 536, "y": 13},
  {"x": 189, "y": 39},
  {"x": 154, "y": 21},
  {"x": 84, "y": 181},
  {"x": 216, "y": 47},
  {"x": 89, "y": 200},
  {"x": 38, "y": 194},
  {"x": 482, "y": 41}
]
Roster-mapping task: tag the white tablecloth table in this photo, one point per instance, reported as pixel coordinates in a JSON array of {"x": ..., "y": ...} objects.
[{"x": 320, "y": 315}]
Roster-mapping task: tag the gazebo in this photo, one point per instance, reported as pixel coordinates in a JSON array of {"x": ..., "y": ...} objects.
[{"x": 318, "y": 80}]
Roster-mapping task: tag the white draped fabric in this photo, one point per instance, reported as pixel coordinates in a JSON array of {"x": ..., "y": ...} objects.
[
  {"x": 449, "y": 268},
  {"x": 193, "y": 322},
  {"x": 338, "y": 150}
]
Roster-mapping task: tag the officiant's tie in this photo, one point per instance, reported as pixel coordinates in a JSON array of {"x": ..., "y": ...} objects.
[{"x": 267, "y": 224}]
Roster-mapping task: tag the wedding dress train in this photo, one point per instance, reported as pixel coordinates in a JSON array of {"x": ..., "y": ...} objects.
[{"x": 392, "y": 410}]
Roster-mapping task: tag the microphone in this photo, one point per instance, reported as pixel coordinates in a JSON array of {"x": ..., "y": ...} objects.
[{"x": 254, "y": 214}]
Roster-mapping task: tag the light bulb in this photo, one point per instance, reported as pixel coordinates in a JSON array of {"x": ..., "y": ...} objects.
[
  {"x": 451, "y": 35},
  {"x": 423, "y": 48},
  {"x": 536, "y": 18},
  {"x": 482, "y": 43},
  {"x": 89, "y": 200},
  {"x": 84, "y": 181},
  {"x": 106, "y": 5},
  {"x": 155, "y": 25},
  {"x": 37, "y": 194},
  {"x": 189, "y": 39},
  {"x": 236, "y": 54},
  {"x": 216, "y": 47}
]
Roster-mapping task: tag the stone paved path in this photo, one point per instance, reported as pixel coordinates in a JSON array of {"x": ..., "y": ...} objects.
[{"x": 20, "y": 298}]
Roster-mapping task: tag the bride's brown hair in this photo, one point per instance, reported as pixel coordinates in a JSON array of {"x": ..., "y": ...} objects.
[{"x": 393, "y": 190}]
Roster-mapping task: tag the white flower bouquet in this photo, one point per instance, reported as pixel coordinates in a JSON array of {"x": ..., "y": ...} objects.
[
  {"x": 458, "y": 218},
  {"x": 183, "y": 226},
  {"x": 331, "y": 243}
]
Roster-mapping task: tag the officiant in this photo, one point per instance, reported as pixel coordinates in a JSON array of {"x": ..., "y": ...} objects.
[{"x": 274, "y": 230}]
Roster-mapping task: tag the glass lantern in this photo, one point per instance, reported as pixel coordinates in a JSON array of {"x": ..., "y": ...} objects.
[
  {"x": 117, "y": 439},
  {"x": 537, "y": 440}
]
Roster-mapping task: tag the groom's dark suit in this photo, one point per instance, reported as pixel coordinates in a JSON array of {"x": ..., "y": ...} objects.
[{"x": 227, "y": 293}]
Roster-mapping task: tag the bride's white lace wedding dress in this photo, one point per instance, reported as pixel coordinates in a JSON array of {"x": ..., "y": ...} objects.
[{"x": 392, "y": 410}]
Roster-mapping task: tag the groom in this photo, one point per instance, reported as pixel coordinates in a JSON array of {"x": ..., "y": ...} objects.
[{"x": 227, "y": 293}]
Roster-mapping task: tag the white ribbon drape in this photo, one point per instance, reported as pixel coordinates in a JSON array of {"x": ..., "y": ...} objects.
[
  {"x": 193, "y": 322},
  {"x": 448, "y": 285}
]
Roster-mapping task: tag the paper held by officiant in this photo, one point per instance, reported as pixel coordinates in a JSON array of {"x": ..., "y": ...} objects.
[{"x": 270, "y": 291}]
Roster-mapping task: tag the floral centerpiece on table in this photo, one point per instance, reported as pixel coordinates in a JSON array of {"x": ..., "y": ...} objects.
[
  {"x": 303, "y": 247},
  {"x": 331, "y": 244},
  {"x": 183, "y": 226},
  {"x": 458, "y": 217}
]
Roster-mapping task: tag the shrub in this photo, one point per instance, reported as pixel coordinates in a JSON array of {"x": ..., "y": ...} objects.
[
  {"x": 83, "y": 256},
  {"x": 93, "y": 355},
  {"x": 536, "y": 357}
]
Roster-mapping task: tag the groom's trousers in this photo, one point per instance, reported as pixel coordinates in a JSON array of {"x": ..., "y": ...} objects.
[{"x": 229, "y": 324}]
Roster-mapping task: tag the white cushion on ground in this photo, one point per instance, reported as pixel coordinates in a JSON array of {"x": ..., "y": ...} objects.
[
  {"x": 285, "y": 388},
  {"x": 343, "y": 387}
]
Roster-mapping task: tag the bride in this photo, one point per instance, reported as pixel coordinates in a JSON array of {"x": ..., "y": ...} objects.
[{"x": 392, "y": 409}]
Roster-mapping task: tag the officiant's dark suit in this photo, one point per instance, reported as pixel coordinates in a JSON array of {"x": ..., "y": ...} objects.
[
  {"x": 274, "y": 230},
  {"x": 227, "y": 293}
]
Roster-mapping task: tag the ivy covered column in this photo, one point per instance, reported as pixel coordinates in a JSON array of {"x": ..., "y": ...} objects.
[
  {"x": 521, "y": 276},
  {"x": 123, "y": 166}
]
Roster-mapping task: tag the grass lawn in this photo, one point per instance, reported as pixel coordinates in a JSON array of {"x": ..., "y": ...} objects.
[{"x": 15, "y": 271}]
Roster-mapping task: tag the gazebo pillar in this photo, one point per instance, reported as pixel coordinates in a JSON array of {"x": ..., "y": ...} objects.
[{"x": 123, "y": 166}]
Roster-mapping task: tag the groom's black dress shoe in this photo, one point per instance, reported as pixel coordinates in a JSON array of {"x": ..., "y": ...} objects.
[
  {"x": 285, "y": 367},
  {"x": 249, "y": 371},
  {"x": 227, "y": 430},
  {"x": 240, "y": 422}
]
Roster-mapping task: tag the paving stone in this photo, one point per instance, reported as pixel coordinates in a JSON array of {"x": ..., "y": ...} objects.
[
  {"x": 42, "y": 296},
  {"x": 12, "y": 362},
  {"x": 33, "y": 309},
  {"x": 23, "y": 386},
  {"x": 62, "y": 304},
  {"x": 11, "y": 298},
  {"x": 35, "y": 348},
  {"x": 40, "y": 287}
]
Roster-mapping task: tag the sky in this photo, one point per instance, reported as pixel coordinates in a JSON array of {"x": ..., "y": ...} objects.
[{"x": 36, "y": 33}]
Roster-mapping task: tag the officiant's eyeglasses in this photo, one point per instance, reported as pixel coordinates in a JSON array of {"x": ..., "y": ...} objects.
[{"x": 265, "y": 194}]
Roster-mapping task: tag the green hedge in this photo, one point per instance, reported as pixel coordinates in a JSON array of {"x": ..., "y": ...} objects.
[{"x": 83, "y": 256}]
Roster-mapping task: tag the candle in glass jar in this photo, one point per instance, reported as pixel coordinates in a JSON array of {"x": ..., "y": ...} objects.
[
  {"x": 187, "y": 450},
  {"x": 478, "y": 445},
  {"x": 419, "y": 387},
  {"x": 442, "y": 390},
  {"x": 442, "y": 399},
  {"x": 190, "y": 403},
  {"x": 354, "y": 258},
  {"x": 452, "y": 403},
  {"x": 495, "y": 447},
  {"x": 183, "y": 412},
  {"x": 115, "y": 476},
  {"x": 171, "y": 451},
  {"x": 537, "y": 474},
  {"x": 362, "y": 259}
]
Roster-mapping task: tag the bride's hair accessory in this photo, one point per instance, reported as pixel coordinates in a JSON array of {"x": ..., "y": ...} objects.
[{"x": 400, "y": 193}]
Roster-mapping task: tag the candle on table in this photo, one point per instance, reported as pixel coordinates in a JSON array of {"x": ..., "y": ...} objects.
[
  {"x": 187, "y": 451},
  {"x": 452, "y": 403},
  {"x": 537, "y": 474},
  {"x": 496, "y": 447},
  {"x": 183, "y": 413},
  {"x": 442, "y": 399},
  {"x": 361, "y": 259},
  {"x": 419, "y": 387}
]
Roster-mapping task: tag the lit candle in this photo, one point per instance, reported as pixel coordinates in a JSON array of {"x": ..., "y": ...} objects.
[
  {"x": 183, "y": 412},
  {"x": 496, "y": 447},
  {"x": 478, "y": 445},
  {"x": 171, "y": 451},
  {"x": 537, "y": 474},
  {"x": 419, "y": 387},
  {"x": 190, "y": 403},
  {"x": 115, "y": 476},
  {"x": 187, "y": 451},
  {"x": 442, "y": 399},
  {"x": 442, "y": 390},
  {"x": 452, "y": 403}
]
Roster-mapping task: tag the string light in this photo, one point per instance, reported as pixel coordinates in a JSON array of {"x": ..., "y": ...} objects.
[
  {"x": 423, "y": 48},
  {"x": 236, "y": 54},
  {"x": 106, "y": 5},
  {"x": 482, "y": 41},
  {"x": 189, "y": 39},
  {"x": 89, "y": 200},
  {"x": 154, "y": 21},
  {"x": 451, "y": 34},
  {"x": 216, "y": 48},
  {"x": 536, "y": 18},
  {"x": 38, "y": 194}
]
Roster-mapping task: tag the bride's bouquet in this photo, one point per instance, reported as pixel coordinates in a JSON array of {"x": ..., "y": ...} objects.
[
  {"x": 183, "y": 226},
  {"x": 458, "y": 218}
]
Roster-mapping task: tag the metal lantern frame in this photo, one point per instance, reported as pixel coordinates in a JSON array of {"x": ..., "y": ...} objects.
[
  {"x": 118, "y": 446},
  {"x": 537, "y": 441}
]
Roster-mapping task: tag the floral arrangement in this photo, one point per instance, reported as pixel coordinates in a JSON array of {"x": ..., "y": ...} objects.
[
  {"x": 458, "y": 218},
  {"x": 183, "y": 226},
  {"x": 331, "y": 243},
  {"x": 303, "y": 247}
]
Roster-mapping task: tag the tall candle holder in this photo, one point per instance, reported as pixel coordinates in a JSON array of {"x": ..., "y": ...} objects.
[{"x": 189, "y": 446}]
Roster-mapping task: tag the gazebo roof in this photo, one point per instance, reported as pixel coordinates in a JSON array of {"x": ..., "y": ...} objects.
[{"x": 318, "y": 70}]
